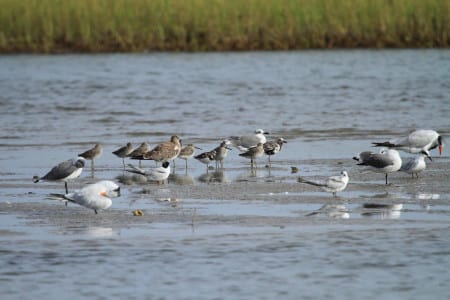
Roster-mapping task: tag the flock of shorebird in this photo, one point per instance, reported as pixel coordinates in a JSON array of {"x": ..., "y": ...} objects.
[{"x": 97, "y": 196}]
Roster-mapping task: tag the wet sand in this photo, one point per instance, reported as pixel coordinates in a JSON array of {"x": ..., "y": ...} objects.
[{"x": 185, "y": 200}]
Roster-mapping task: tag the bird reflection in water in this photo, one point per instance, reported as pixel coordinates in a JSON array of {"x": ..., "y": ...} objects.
[
  {"x": 385, "y": 211},
  {"x": 335, "y": 211}
]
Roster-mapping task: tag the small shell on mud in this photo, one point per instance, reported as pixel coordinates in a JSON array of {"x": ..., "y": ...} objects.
[{"x": 138, "y": 213}]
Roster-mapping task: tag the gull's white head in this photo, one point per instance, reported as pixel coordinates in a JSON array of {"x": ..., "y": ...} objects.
[
  {"x": 260, "y": 131},
  {"x": 390, "y": 152},
  {"x": 108, "y": 188},
  {"x": 345, "y": 179}
]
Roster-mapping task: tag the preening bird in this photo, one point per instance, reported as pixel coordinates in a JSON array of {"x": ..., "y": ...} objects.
[
  {"x": 95, "y": 196},
  {"x": 416, "y": 142}
]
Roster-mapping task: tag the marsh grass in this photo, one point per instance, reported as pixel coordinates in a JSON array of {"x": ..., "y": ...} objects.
[{"x": 218, "y": 25}]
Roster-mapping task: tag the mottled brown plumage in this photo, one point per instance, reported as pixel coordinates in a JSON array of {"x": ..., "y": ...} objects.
[
  {"x": 165, "y": 151},
  {"x": 253, "y": 153}
]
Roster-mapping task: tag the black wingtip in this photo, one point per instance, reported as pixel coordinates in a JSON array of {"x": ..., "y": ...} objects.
[{"x": 383, "y": 144}]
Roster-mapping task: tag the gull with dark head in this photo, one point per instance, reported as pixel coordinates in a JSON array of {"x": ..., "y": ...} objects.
[
  {"x": 415, "y": 165},
  {"x": 416, "y": 142},
  {"x": 94, "y": 196},
  {"x": 243, "y": 143},
  {"x": 64, "y": 171},
  {"x": 387, "y": 161},
  {"x": 333, "y": 184}
]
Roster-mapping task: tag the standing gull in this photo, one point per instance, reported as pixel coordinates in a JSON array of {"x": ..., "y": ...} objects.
[
  {"x": 273, "y": 147},
  {"x": 333, "y": 184},
  {"x": 94, "y": 196},
  {"x": 123, "y": 152},
  {"x": 416, "y": 141},
  {"x": 92, "y": 154},
  {"x": 243, "y": 143},
  {"x": 387, "y": 161},
  {"x": 415, "y": 165},
  {"x": 253, "y": 153},
  {"x": 64, "y": 171}
]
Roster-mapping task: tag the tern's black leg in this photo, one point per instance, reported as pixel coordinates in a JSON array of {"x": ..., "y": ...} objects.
[
  {"x": 95, "y": 211},
  {"x": 386, "y": 179}
]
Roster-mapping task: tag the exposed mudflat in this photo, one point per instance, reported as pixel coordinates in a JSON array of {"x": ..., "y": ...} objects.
[{"x": 235, "y": 233}]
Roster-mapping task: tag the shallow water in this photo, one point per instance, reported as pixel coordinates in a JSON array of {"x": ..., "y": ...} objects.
[{"x": 234, "y": 234}]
